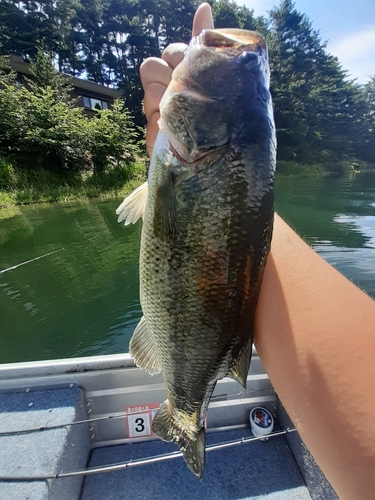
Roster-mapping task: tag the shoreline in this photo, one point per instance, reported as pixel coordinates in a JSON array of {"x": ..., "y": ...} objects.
[
  {"x": 101, "y": 189},
  {"x": 9, "y": 199},
  {"x": 41, "y": 187}
]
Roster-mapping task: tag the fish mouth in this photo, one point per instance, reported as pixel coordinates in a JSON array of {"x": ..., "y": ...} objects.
[
  {"x": 247, "y": 47},
  {"x": 232, "y": 42}
]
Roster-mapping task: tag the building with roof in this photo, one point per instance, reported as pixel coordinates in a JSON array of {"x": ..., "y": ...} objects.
[{"x": 89, "y": 95}]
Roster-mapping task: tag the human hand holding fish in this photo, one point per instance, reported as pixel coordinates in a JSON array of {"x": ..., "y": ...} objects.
[
  {"x": 304, "y": 323},
  {"x": 156, "y": 73}
]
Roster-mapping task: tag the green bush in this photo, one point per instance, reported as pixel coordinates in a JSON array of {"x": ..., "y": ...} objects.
[
  {"x": 112, "y": 136},
  {"x": 40, "y": 127}
]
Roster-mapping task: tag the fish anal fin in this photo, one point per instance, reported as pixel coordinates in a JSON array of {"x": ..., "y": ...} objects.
[
  {"x": 133, "y": 207},
  {"x": 241, "y": 364},
  {"x": 143, "y": 349},
  {"x": 165, "y": 208},
  {"x": 192, "y": 443}
]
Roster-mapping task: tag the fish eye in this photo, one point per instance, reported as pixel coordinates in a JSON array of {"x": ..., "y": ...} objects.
[{"x": 248, "y": 57}]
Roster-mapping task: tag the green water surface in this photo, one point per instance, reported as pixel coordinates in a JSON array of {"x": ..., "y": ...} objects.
[{"x": 83, "y": 299}]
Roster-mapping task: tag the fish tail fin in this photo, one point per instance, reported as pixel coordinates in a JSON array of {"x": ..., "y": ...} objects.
[
  {"x": 194, "y": 451},
  {"x": 191, "y": 443}
]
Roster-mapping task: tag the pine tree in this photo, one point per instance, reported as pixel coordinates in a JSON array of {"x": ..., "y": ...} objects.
[
  {"x": 315, "y": 106},
  {"x": 365, "y": 145},
  {"x": 44, "y": 75}
]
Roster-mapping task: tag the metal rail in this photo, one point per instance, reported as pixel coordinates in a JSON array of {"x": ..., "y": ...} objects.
[
  {"x": 139, "y": 462},
  {"x": 106, "y": 417}
]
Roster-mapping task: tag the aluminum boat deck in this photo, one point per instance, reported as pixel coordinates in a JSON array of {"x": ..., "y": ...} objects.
[
  {"x": 75, "y": 415},
  {"x": 254, "y": 470}
]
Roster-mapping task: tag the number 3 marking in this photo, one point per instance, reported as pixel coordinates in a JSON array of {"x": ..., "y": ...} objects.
[{"x": 140, "y": 427}]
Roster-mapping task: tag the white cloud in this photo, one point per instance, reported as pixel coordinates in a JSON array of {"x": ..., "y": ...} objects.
[{"x": 356, "y": 52}]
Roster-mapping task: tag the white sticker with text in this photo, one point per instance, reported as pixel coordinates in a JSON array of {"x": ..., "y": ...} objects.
[{"x": 140, "y": 418}]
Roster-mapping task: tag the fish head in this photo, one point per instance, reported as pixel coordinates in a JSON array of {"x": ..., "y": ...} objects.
[{"x": 221, "y": 84}]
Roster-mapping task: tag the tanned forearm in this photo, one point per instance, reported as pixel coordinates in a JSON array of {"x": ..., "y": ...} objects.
[{"x": 315, "y": 334}]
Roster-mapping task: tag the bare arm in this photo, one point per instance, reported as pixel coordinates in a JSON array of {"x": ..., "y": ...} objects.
[{"x": 315, "y": 334}]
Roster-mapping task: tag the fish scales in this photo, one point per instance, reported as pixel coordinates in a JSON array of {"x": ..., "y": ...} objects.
[
  {"x": 206, "y": 233},
  {"x": 200, "y": 284}
]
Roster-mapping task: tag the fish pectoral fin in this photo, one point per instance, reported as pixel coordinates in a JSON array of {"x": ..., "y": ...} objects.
[
  {"x": 133, "y": 207},
  {"x": 143, "y": 349},
  {"x": 240, "y": 368},
  {"x": 191, "y": 443},
  {"x": 165, "y": 211}
]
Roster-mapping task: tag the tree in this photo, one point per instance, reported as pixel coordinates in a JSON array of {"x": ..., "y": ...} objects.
[
  {"x": 320, "y": 115},
  {"x": 14, "y": 21},
  {"x": 228, "y": 14},
  {"x": 113, "y": 138},
  {"x": 315, "y": 106},
  {"x": 40, "y": 126},
  {"x": 44, "y": 75},
  {"x": 365, "y": 146}
]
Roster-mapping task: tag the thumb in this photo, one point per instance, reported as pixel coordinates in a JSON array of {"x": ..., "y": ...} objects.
[{"x": 202, "y": 19}]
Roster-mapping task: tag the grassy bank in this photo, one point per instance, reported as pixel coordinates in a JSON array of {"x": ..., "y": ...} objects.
[
  {"x": 291, "y": 169},
  {"x": 41, "y": 186}
]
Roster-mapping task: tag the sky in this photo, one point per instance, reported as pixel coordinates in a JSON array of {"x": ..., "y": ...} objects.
[{"x": 348, "y": 26}]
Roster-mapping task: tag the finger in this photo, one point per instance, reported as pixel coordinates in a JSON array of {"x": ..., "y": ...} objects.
[
  {"x": 174, "y": 54},
  {"x": 155, "y": 70},
  {"x": 203, "y": 19},
  {"x": 153, "y": 94},
  {"x": 152, "y": 131},
  {"x": 155, "y": 75}
]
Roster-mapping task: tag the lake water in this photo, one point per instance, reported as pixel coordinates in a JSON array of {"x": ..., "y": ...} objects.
[{"x": 83, "y": 299}]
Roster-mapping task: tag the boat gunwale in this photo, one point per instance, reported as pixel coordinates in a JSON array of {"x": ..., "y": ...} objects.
[
  {"x": 65, "y": 366},
  {"x": 69, "y": 365}
]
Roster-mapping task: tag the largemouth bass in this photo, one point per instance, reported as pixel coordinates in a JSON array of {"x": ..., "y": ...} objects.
[{"x": 207, "y": 213}]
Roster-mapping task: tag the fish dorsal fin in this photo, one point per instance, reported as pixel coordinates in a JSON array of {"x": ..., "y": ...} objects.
[
  {"x": 143, "y": 349},
  {"x": 241, "y": 365},
  {"x": 133, "y": 207}
]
